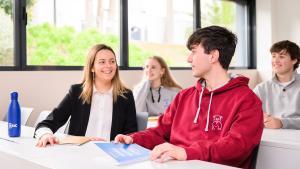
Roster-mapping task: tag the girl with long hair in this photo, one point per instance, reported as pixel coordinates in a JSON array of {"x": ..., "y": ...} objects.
[{"x": 157, "y": 89}]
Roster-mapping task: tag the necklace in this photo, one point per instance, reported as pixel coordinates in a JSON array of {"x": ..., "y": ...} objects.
[{"x": 158, "y": 100}]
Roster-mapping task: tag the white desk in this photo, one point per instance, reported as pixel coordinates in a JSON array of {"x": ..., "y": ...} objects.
[
  {"x": 24, "y": 155},
  {"x": 279, "y": 149}
]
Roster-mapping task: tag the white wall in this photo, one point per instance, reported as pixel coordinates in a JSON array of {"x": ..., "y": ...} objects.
[
  {"x": 286, "y": 20},
  {"x": 263, "y": 35},
  {"x": 276, "y": 20}
]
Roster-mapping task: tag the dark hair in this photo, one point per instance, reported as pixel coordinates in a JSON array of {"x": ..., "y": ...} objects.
[
  {"x": 289, "y": 47},
  {"x": 215, "y": 38}
]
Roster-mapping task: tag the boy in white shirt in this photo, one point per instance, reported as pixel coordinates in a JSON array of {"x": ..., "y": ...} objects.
[{"x": 281, "y": 94}]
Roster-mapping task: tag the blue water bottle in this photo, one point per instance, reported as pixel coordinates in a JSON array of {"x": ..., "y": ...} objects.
[{"x": 14, "y": 116}]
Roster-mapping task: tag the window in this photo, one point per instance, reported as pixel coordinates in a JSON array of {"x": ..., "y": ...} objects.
[
  {"x": 159, "y": 27},
  {"x": 60, "y": 32},
  {"x": 232, "y": 15},
  {"x": 6, "y": 33}
]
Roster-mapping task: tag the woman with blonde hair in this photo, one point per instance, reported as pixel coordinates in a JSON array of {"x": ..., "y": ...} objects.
[
  {"x": 157, "y": 89},
  {"x": 100, "y": 107}
]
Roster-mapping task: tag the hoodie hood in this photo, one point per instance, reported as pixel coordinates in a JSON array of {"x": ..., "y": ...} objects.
[{"x": 235, "y": 81}]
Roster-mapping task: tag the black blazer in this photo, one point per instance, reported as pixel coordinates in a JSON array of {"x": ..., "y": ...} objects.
[{"x": 123, "y": 116}]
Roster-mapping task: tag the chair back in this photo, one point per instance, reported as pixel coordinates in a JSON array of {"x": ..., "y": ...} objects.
[
  {"x": 142, "y": 120},
  {"x": 25, "y": 113},
  {"x": 65, "y": 128},
  {"x": 254, "y": 157},
  {"x": 43, "y": 115}
]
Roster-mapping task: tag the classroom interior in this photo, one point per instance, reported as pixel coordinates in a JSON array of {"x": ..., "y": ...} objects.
[{"x": 42, "y": 89}]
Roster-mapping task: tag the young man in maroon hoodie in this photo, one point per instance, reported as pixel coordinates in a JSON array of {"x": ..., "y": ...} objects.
[{"x": 219, "y": 119}]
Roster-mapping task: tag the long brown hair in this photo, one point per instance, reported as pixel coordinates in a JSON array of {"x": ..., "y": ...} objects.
[
  {"x": 88, "y": 80},
  {"x": 166, "y": 80}
]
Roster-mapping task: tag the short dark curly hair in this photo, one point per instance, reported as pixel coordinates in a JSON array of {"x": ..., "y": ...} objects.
[
  {"x": 290, "y": 47},
  {"x": 215, "y": 38}
]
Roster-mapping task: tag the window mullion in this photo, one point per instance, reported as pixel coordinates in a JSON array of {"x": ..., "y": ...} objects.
[
  {"x": 197, "y": 14},
  {"x": 20, "y": 17},
  {"x": 124, "y": 34}
]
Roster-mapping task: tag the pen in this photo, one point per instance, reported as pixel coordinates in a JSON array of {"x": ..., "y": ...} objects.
[{"x": 8, "y": 140}]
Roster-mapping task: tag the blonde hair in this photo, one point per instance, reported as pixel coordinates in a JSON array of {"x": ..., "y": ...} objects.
[
  {"x": 166, "y": 80},
  {"x": 88, "y": 80}
]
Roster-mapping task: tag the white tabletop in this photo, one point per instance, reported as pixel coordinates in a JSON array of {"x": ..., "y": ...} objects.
[
  {"x": 284, "y": 138},
  {"x": 24, "y": 154},
  {"x": 279, "y": 148}
]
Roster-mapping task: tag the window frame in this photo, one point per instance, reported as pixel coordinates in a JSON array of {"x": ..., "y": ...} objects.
[{"x": 20, "y": 22}]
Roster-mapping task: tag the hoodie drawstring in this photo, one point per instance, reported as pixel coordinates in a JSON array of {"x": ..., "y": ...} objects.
[
  {"x": 199, "y": 108},
  {"x": 208, "y": 112}
]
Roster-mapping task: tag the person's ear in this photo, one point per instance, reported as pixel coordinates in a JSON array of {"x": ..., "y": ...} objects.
[
  {"x": 295, "y": 61},
  {"x": 162, "y": 72},
  {"x": 214, "y": 56}
]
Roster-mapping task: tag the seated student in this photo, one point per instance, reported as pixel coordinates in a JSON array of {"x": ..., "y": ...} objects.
[
  {"x": 157, "y": 89},
  {"x": 99, "y": 107},
  {"x": 281, "y": 95},
  {"x": 219, "y": 119}
]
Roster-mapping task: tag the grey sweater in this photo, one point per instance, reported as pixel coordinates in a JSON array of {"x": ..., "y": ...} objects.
[
  {"x": 143, "y": 98},
  {"x": 281, "y": 101}
]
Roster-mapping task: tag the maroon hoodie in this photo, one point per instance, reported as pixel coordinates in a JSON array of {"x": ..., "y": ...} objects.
[{"x": 221, "y": 126}]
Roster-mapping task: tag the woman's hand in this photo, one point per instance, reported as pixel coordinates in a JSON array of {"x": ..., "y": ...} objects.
[{"x": 47, "y": 138}]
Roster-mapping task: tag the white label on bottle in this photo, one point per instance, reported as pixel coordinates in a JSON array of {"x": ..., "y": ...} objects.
[{"x": 11, "y": 125}]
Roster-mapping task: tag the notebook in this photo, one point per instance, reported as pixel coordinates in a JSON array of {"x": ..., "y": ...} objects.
[
  {"x": 75, "y": 140},
  {"x": 125, "y": 153}
]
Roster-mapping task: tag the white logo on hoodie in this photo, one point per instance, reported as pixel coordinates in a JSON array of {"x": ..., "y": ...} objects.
[{"x": 217, "y": 122}]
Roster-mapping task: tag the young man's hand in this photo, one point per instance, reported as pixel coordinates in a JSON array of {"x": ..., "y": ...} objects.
[
  {"x": 120, "y": 138},
  {"x": 166, "y": 151},
  {"x": 272, "y": 122}
]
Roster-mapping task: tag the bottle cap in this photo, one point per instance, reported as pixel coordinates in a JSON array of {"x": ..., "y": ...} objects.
[{"x": 14, "y": 95}]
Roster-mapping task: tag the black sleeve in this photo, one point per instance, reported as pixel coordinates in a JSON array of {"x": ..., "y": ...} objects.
[
  {"x": 59, "y": 116},
  {"x": 131, "y": 123}
]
